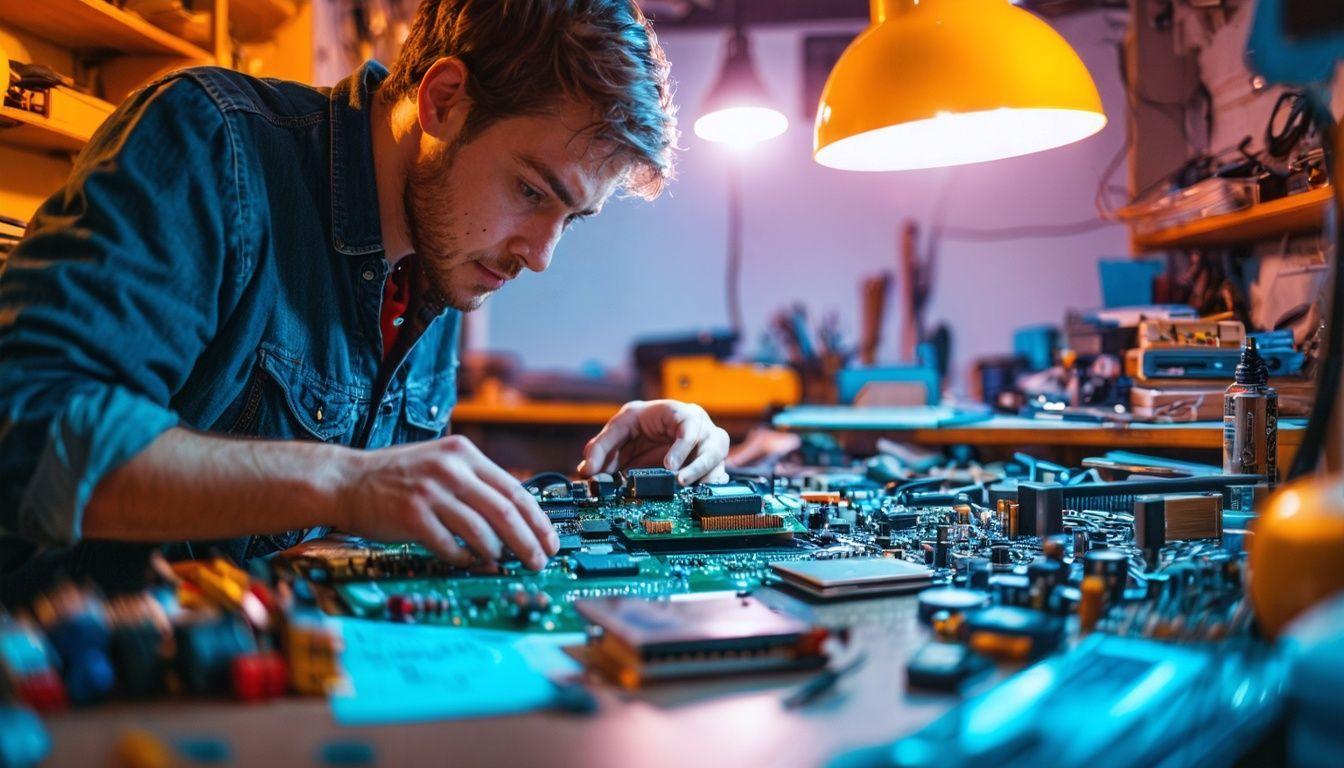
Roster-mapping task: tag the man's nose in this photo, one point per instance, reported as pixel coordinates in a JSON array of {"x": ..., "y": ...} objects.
[{"x": 536, "y": 248}]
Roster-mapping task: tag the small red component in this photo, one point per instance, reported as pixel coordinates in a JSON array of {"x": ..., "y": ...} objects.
[
  {"x": 43, "y": 691},
  {"x": 276, "y": 673},
  {"x": 248, "y": 673}
]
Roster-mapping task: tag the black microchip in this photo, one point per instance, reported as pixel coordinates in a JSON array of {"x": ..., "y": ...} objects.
[
  {"x": 715, "y": 500},
  {"x": 650, "y": 483},
  {"x": 586, "y": 564},
  {"x": 570, "y": 544},
  {"x": 595, "y": 529},
  {"x": 561, "y": 515}
]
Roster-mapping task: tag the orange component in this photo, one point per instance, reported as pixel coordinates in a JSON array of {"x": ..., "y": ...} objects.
[
  {"x": 740, "y": 522},
  {"x": 720, "y": 387},
  {"x": 821, "y": 497},
  {"x": 657, "y": 526},
  {"x": 1093, "y": 597},
  {"x": 1296, "y": 550},
  {"x": 997, "y": 646}
]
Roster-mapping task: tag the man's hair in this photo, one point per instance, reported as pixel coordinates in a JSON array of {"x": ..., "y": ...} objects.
[{"x": 525, "y": 56}]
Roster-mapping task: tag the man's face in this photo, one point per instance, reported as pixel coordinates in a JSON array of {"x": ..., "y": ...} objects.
[{"x": 481, "y": 211}]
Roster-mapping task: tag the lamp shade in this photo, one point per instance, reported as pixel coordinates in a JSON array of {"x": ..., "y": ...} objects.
[
  {"x": 933, "y": 83},
  {"x": 738, "y": 109}
]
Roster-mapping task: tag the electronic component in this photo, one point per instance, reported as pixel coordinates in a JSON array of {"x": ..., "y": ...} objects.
[
  {"x": 944, "y": 666},
  {"x": 1043, "y": 504},
  {"x": 650, "y": 483},
  {"x": 951, "y": 600},
  {"x": 716, "y": 500},
  {"x": 1011, "y": 633},
  {"x": 648, "y": 640},
  {"x": 599, "y": 528},
  {"x": 852, "y": 577},
  {"x": 586, "y": 564},
  {"x": 1159, "y": 520}
]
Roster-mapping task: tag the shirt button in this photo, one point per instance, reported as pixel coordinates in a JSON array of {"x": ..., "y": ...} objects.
[
  {"x": 318, "y": 414},
  {"x": 397, "y": 321},
  {"x": 369, "y": 274},
  {"x": 433, "y": 411}
]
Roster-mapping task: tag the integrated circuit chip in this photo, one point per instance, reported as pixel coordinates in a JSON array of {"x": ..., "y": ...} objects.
[
  {"x": 721, "y": 500},
  {"x": 589, "y": 565},
  {"x": 595, "y": 529},
  {"x": 650, "y": 483}
]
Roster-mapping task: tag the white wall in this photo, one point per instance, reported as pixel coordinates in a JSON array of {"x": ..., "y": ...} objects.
[{"x": 811, "y": 232}]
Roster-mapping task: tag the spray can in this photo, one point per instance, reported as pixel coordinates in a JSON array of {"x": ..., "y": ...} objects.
[{"x": 1251, "y": 419}]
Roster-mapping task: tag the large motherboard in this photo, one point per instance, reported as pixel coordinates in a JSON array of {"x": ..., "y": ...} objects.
[{"x": 1025, "y": 543}]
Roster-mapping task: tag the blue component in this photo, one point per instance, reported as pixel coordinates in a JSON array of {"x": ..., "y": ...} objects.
[{"x": 23, "y": 739}]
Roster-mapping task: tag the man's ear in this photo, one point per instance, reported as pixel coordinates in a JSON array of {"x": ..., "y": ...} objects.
[{"x": 441, "y": 100}]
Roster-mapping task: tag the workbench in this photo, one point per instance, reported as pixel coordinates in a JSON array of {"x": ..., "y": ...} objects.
[{"x": 733, "y": 721}]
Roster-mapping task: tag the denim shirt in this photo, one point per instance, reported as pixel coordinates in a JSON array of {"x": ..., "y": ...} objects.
[{"x": 214, "y": 262}]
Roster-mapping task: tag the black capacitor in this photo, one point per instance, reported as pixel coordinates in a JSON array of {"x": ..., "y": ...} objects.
[
  {"x": 1064, "y": 599},
  {"x": 1113, "y": 568},
  {"x": 816, "y": 518},
  {"x": 1158, "y": 585},
  {"x": 1080, "y": 545},
  {"x": 942, "y": 546},
  {"x": 978, "y": 572},
  {"x": 1043, "y": 574},
  {"x": 1011, "y": 589},
  {"x": 950, "y": 599},
  {"x": 1000, "y": 557}
]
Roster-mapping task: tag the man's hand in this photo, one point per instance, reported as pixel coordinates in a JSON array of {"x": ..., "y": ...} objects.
[
  {"x": 678, "y": 436},
  {"x": 437, "y": 492}
]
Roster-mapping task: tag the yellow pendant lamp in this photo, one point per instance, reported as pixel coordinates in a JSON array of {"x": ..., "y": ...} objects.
[{"x": 934, "y": 83}]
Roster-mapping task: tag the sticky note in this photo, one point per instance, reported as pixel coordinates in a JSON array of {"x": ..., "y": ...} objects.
[{"x": 404, "y": 673}]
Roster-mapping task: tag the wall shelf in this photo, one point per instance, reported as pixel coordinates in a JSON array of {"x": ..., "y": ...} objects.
[
  {"x": 254, "y": 21},
  {"x": 1288, "y": 215},
  {"x": 19, "y": 127},
  {"x": 95, "y": 26}
]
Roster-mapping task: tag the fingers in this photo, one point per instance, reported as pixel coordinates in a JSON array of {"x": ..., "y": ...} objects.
[
  {"x": 691, "y": 430},
  {"x": 524, "y": 511},
  {"x": 441, "y": 542},
  {"x": 511, "y": 512},
  {"x": 462, "y": 520},
  {"x": 708, "y": 463},
  {"x": 601, "y": 453}
]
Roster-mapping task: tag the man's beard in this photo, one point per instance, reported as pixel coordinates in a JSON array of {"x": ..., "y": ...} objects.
[{"x": 427, "y": 200}]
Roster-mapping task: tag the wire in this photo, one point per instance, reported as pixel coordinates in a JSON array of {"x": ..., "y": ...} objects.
[
  {"x": 546, "y": 480},
  {"x": 733, "y": 277}
]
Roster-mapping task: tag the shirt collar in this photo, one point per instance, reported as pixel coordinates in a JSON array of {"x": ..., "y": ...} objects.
[{"x": 355, "y": 226}]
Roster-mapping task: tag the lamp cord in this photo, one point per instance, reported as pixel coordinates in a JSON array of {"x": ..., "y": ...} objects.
[{"x": 734, "y": 272}]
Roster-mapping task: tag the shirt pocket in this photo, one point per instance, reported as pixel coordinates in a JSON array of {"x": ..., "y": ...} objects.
[
  {"x": 287, "y": 400},
  {"x": 428, "y": 407}
]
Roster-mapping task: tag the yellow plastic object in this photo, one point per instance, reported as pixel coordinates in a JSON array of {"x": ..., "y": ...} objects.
[
  {"x": 1297, "y": 550},
  {"x": 739, "y": 388},
  {"x": 933, "y": 83}
]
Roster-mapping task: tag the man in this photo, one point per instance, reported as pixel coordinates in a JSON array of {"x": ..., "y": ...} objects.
[{"x": 237, "y": 322}]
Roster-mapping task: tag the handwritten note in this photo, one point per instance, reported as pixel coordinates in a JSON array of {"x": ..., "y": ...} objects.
[{"x": 403, "y": 673}]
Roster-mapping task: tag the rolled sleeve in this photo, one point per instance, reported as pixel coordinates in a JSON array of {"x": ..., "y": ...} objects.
[{"x": 109, "y": 301}]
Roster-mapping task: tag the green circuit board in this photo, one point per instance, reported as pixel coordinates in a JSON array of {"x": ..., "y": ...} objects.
[{"x": 521, "y": 600}]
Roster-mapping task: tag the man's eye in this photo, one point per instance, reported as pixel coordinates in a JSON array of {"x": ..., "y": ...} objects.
[
  {"x": 571, "y": 219},
  {"x": 530, "y": 192}
]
